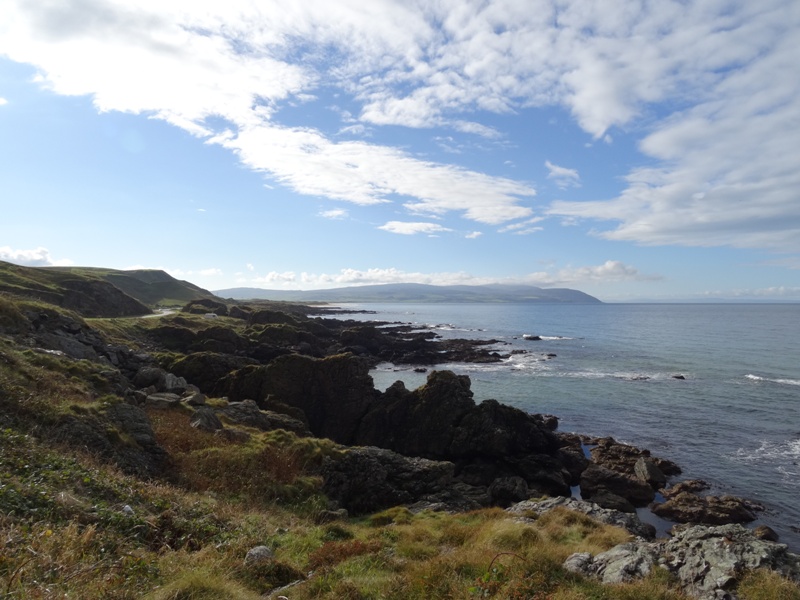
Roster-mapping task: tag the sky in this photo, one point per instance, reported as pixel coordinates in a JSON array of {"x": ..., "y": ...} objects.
[{"x": 637, "y": 150}]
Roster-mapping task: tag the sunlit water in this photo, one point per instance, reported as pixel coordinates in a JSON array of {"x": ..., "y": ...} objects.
[{"x": 733, "y": 421}]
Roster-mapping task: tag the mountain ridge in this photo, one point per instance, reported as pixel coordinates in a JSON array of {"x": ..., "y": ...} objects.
[{"x": 418, "y": 292}]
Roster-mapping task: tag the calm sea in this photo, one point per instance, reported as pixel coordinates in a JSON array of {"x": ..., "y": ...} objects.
[{"x": 733, "y": 421}]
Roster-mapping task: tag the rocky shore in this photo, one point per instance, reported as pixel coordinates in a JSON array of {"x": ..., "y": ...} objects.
[{"x": 432, "y": 448}]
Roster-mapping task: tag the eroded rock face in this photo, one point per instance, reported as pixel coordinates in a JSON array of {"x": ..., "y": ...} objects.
[
  {"x": 334, "y": 393},
  {"x": 707, "y": 561}
]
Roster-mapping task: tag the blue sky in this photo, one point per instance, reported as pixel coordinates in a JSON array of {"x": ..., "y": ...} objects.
[{"x": 637, "y": 150}]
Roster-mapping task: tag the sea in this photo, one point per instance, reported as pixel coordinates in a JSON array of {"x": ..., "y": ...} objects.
[{"x": 713, "y": 387}]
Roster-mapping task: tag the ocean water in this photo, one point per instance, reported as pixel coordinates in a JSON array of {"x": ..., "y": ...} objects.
[{"x": 734, "y": 420}]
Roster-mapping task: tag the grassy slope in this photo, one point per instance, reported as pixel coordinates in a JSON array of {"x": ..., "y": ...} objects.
[
  {"x": 149, "y": 286},
  {"x": 66, "y": 531}
]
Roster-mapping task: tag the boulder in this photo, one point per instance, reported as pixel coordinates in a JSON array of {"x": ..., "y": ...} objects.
[
  {"x": 205, "y": 419},
  {"x": 207, "y": 370},
  {"x": 621, "y": 564},
  {"x": 596, "y": 478},
  {"x": 647, "y": 470},
  {"x": 259, "y": 555},
  {"x": 622, "y": 458},
  {"x": 150, "y": 376}
]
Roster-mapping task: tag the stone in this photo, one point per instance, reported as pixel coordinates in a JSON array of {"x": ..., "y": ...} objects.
[
  {"x": 606, "y": 499},
  {"x": 150, "y": 376},
  {"x": 205, "y": 419},
  {"x": 195, "y": 399},
  {"x": 259, "y": 555},
  {"x": 596, "y": 478},
  {"x": 647, "y": 470},
  {"x": 621, "y": 564},
  {"x": 174, "y": 384}
]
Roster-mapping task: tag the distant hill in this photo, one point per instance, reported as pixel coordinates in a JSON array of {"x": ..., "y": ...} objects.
[
  {"x": 414, "y": 292},
  {"x": 95, "y": 292},
  {"x": 149, "y": 286}
]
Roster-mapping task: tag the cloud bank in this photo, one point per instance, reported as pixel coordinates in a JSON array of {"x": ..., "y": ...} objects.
[{"x": 707, "y": 85}]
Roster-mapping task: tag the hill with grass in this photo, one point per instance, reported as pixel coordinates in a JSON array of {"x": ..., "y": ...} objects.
[
  {"x": 96, "y": 292},
  {"x": 419, "y": 293},
  {"x": 239, "y": 450}
]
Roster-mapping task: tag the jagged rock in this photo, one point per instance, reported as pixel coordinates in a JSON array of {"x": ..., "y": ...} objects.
[
  {"x": 707, "y": 561},
  {"x": 764, "y": 532},
  {"x": 647, "y": 470},
  {"x": 596, "y": 478},
  {"x": 248, "y": 413},
  {"x": 691, "y": 485},
  {"x": 627, "y": 521},
  {"x": 174, "y": 384},
  {"x": 205, "y": 419},
  {"x": 334, "y": 393},
  {"x": 368, "y": 479},
  {"x": 621, "y": 564},
  {"x": 686, "y": 507},
  {"x": 622, "y": 458},
  {"x": 441, "y": 421}
]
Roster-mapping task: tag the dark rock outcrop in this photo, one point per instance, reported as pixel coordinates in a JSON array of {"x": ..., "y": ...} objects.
[
  {"x": 440, "y": 421},
  {"x": 368, "y": 479},
  {"x": 596, "y": 479},
  {"x": 686, "y": 507},
  {"x": 334, "y": 393}
]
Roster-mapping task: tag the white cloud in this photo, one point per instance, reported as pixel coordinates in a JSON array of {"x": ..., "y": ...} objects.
[
  {"x": 405, "y": 228},
  {"x": 473, "y": 235},
  {"x": 610, "y": 272},
  {"x": 524, "y": 227},
  {"x": 3, "y": 101},
  {"x": 334, "y": 213},
  {"x": 706, "y": 82},
  {"x": 563, "y": 176},
  {"x": 250, "y": 267},
  {"x": 38, "y": 257}
]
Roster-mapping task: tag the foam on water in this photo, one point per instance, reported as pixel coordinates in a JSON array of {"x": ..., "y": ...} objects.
[
  {"x": 773, "y": 380},
  {"x": 783, "y": 457}
]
